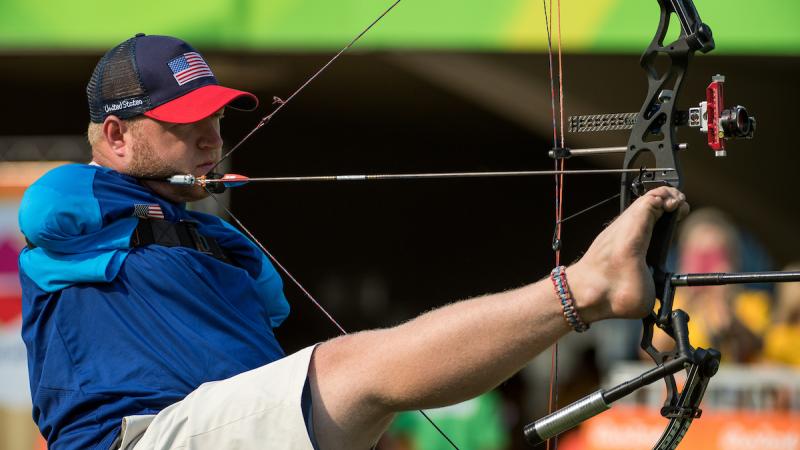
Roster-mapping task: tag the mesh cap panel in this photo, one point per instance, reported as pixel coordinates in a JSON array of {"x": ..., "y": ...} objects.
[{"x": 115, "y": 87}]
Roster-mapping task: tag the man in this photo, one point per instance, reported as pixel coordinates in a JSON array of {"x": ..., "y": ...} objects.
[{"x": 150, "y": 327}]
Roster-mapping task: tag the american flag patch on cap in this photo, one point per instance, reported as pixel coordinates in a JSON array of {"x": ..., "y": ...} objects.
[
  {"x": 148, "y": 211},
  {"x": 189, "y": 66}
]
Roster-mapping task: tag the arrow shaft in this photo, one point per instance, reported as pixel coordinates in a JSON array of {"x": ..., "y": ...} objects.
[{"x": 443, "y": 175}]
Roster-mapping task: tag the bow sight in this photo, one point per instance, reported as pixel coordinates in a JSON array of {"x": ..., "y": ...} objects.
[
  {"x": 710, "y": 116},
  {"x": 720, "y": 123}
]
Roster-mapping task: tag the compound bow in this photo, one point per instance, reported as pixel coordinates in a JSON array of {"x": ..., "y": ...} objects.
[{"x": 654, "y": 132}]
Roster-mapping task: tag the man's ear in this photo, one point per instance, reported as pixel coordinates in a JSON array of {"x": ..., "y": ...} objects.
[{"x": 114, "y": 130}]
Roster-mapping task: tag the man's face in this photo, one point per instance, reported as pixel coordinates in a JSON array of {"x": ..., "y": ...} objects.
[{"x": 162, "y": 149}]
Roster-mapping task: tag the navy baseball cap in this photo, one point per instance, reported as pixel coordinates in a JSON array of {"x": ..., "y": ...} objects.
[{"x": 161, "y": 77}]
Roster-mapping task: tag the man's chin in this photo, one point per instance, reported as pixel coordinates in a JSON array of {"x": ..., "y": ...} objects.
[{"x": 191, "y": 193}]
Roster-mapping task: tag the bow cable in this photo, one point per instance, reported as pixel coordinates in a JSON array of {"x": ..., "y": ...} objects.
[
  {"x": 559, "y": 164},
  {"x": 309, "y": 296},
  {"x": 266, "y": 119},
  {"x": 281, "y": 103}
]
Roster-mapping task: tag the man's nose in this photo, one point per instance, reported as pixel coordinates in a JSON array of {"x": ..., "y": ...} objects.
[{"x": 210, "y": 137}]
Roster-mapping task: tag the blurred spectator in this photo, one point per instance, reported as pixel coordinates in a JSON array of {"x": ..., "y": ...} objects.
[
  {"x": 475, "y": 424},
  {"x": 782, "y": 340},
  {"x": 728, "y": 318}
]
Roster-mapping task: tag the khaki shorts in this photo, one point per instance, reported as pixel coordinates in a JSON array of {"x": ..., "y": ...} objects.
[{"x": 258, "y": 409}]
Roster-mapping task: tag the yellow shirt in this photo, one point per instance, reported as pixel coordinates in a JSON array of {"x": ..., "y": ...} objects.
[
  {"x": 751, "y": 308},
  {"x": 782, "y": 344}
]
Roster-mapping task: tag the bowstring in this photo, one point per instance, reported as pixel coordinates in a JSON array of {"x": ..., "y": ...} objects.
[
  {"x": 266, "y": 119},
  {"x": 311, "y": 297},
  {"x": 281, "y": 103},
  {"x": 558, "y": 165}
]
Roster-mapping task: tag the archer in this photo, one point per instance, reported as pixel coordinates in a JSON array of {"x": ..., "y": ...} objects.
[{"x": 150, "y": 326}]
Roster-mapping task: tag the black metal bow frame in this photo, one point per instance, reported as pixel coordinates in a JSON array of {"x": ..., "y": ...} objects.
[{"x": 654, "y": 132}]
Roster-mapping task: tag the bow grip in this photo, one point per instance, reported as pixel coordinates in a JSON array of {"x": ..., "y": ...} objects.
[{"x": 660, "y": 244}]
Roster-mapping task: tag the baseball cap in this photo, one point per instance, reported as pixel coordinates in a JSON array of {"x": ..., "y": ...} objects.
[{"x": 161, "y": 77}]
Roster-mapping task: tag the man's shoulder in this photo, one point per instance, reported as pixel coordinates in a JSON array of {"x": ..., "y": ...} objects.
[
  {"x": 66, "y": 213},
  {"x": 72, "y": 177},
  {"x": 66, "y": 187},
  {"x": 81, "y": 195},
  {"x": 67, "y": 172},
  {"x": 67, "y": 181}
]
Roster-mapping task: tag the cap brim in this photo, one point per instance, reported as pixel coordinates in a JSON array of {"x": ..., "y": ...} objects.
[{"x": 201, "y": 103}]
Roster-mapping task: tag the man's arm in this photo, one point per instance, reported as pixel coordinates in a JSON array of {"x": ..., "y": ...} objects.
[{"x": 461, "y": 350}]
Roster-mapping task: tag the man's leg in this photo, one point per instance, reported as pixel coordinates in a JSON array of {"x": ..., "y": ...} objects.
[
  {"x": 443, "y": 357},
  {"x": 459, "y": 351}
]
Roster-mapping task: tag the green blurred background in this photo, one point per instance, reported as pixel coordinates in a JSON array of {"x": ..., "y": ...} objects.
[{"x": 765, "y": 26}]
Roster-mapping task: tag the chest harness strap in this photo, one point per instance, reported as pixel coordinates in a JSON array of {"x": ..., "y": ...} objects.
[
  {"x": 169, "y": 234},
  {"x": 176, "y": 234}
]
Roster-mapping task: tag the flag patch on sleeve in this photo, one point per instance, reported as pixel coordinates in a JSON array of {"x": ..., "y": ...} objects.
[{"x": 148, "y": 211}]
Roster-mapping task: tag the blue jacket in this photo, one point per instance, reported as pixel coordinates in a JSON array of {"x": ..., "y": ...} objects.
[{"x": 112, "y": 330}]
